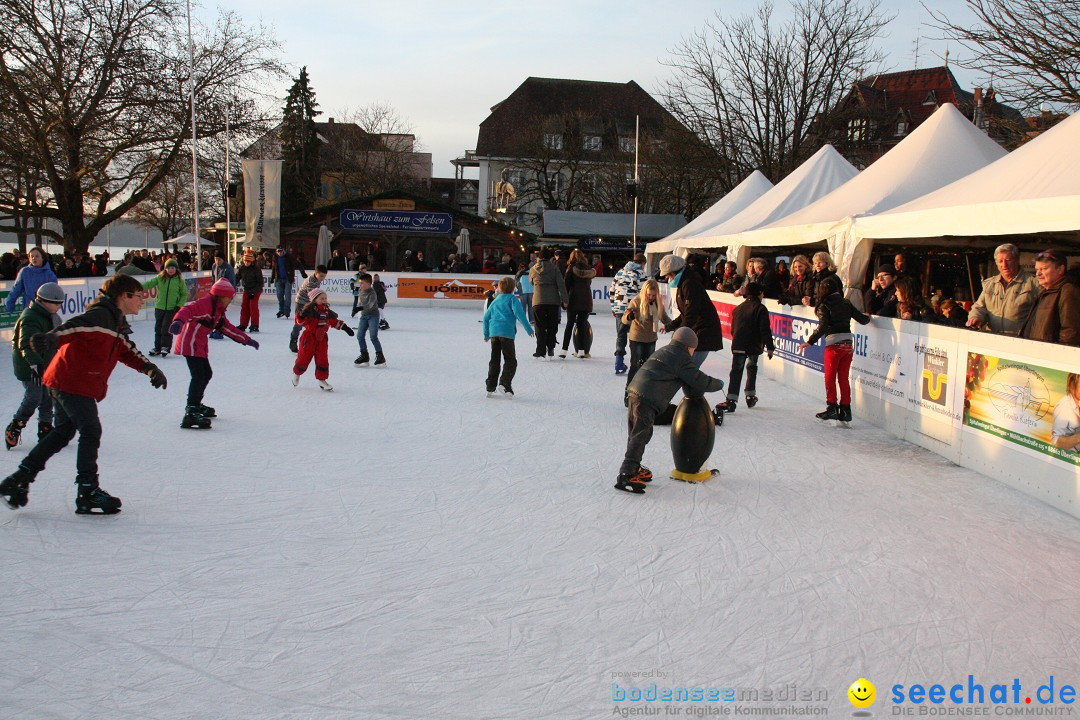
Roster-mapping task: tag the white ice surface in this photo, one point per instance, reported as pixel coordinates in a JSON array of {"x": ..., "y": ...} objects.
[{"x": 405, "y": 547}]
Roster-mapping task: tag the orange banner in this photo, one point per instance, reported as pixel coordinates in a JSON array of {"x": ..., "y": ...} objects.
[{"x": 444, "y": 288}]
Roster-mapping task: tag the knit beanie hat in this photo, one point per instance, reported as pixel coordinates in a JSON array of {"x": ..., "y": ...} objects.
[
  {"x": 685, "y": 336},
  {"x": 671, "y": 264},
  {"x": 222, "y": 288},
  {"x": 171, "y": 262},
  {"x": 314, "y": 293},
  {"x": 50, "y": 292}
]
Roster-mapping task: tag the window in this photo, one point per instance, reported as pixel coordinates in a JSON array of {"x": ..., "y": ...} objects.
[
  {"x": 553, "y": 141},
  {"x": 931, "y": 98},
  {"x": 588, "y": 184},
  {"x": 592, "y": 142},
  {"x": 626, "y": 144},
  {"x": 856, "y": 130},
  {"x": 901, "y": 127},
  {"x": 553, "y": 182}
]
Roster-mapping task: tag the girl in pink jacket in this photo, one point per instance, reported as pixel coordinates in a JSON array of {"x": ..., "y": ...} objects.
[{"x": 192, "y": 325}]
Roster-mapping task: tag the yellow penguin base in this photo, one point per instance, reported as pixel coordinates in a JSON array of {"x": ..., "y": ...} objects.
[{"x": 697, "y": 477}]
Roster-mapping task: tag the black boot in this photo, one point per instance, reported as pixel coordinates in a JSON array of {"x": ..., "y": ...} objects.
[
  {"x": 751, "y": 401},
  {"x": 43, "y": 429},
  {"x": 380, "y": 361},
  {"x": 193, "y": 419},
  {"x": 253, "y": 328},
  {"x": 363, "y": 360},
  {"x": 13, "y": 433},
  {"x": 832, "y": 412},
  {"x": 15, "y": 488},
  {"x": 92, "y": 500},
  {"x": 845, "y": 413},
  {"x": 206, "y": 411},
  {"x": 728, "y": 406},
  {"x": 383, "y": 325}
]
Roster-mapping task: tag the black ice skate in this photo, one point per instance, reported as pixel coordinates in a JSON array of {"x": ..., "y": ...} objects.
[
  {"x": 194, "y": 420},
  {"x": 844, "y": 413},
  {"x": 15, "y": 488},
  {"x": 632, "y": 483},
  {"x": 507, "y": 391},
  {"x": 383, "y": 325},
  {"x": 13, "y": 433},
  {"x": 728, "y": 406},
  {"x": 363, "y": 361},
  {"x": 832, "y": 412},
  {"x": 751, "y": 401},
  {"x": 206, "y": 411},
  {"x": 92, "y": 500},
  {"x": 380, "y": 361}
]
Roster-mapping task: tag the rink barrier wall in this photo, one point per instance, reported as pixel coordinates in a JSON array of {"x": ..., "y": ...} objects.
[{"x": 985, "y": 402}]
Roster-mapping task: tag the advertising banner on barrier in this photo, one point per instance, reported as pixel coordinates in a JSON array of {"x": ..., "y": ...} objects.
[
  {"x": 1029, "y": 405},
  {"x": 884, "y": 363},
  {"x": 439, "y": 288}
]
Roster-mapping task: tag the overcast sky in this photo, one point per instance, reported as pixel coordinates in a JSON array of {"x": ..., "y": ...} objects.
[{"x": 442, "y": 65}]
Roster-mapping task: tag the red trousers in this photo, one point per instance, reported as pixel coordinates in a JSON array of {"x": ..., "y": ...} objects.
[
  {"x": 313, "y": 345},
  {"x": 837, "y": 369},
  {"x": 249, "y": 308}
]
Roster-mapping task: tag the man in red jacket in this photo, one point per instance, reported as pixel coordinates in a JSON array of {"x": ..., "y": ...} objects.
[{"x": 87, "y": 348}]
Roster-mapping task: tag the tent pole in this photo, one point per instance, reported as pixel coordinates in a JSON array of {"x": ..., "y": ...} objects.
[{"x": 971, "y": 277}]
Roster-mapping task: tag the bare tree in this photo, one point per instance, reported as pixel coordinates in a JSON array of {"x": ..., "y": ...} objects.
[
  {"x": 1030, "y": 48},
  {"x": 373, "y": 149},
  {"x": 751, "y": 87},
  {"x": 167, "y": 208},
  {"x": 97, "y": 94}
]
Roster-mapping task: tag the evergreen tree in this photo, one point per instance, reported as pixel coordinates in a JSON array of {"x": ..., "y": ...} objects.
[{"x": 300, "y": 173}]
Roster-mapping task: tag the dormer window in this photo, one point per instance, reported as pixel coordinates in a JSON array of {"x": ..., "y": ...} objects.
[
  {"x": 626, "y": 144},
  {"x": 553, "y": 141},
  {"x": 592, "y": 142},
  {"x": 931, "y": 98},
  {"x": 856, "y": 130},
  {"x": 901, "y": 126}
]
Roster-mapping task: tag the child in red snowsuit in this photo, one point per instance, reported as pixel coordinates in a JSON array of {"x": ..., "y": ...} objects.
[{"x": 316, "y": 318}]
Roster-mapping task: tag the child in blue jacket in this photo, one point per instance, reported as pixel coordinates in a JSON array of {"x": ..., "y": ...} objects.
[{"x": 500, "y": 326}]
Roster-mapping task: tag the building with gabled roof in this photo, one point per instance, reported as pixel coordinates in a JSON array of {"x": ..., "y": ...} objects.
[{"x": 881, "y": 110}]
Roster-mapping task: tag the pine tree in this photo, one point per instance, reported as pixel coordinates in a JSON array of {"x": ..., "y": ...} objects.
[{"x": 300, "y": 173}]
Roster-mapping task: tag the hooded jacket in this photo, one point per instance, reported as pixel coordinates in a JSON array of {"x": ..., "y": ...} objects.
[
  {"x": 26, "y": 285},
  {"x": 34, "y": 319},
  {"x": 696, "y": 311},
  {"x": 1055, "y": 316},
  {"x": 665, "y": 372},
  {"x": 625, "y": 287},
  {"x": 549, "y": 288},
  {"x": 578, "y": 283}
]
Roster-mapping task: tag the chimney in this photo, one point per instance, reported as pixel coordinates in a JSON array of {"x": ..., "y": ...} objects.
[
  {"x": 977, "y": 117},
  {"x": 330, "y": 121}
]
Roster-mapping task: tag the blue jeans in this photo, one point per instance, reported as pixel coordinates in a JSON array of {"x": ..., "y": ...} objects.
[
  {"x": 369, "y": 325},
  {"x": 526, "y": 302},
  {"x": 622, "y": 332},
  {"x": 699, "y": 357},
  {"x": 639, "y": 353},
  {"x": 284, "y": 294},
  {"x": 35, "y": 398}
]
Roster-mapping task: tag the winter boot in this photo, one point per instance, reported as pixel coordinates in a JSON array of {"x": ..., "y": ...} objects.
[
  {"x": 253, "y": 328},
  {"x": 92, "y": 500},
  {"x": 13, "y": 433},
  {"x": 845, "y": 413},
  {"x": 380, "y": 361},
  {"x": 383, "y": 325},
  {"x": 323, "y": 385},
  {"x": 194, "y": 420},
  {"x": 620, "y": 365},
  {"x": 363, "y": 361},
  {"x": 751, "y": 401},
  {"x": 43, "y": 429},
  {"x": 15, "y": 488},
  {"x": 206, "y": 411},
  {"x": 832, "y": 412}
]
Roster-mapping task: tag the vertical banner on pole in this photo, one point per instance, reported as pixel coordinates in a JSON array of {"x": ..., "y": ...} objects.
[{"x": 262, "y": 202}]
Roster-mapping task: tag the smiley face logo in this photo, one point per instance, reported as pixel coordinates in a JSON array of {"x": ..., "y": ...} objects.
[{"x": 862, "y": 693}]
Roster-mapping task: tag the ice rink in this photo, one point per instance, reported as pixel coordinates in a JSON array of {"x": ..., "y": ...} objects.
[{"x": 405, "y": 547}]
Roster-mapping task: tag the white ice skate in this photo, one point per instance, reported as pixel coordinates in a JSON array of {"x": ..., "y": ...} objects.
[
  {"x": 323, "y": 385},
  {"x": 295, "y": 380}
]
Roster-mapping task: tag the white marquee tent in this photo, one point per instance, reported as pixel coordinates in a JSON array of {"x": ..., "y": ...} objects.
[
  {"x": 1033, "y": 189},
  {"x": 753, "y": 187},
  {"x": 943, "y": 149},
  {"x": 822, "y": 173}
]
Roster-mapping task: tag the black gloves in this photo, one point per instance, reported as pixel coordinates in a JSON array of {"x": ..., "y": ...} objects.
[
  {"x": 348, "y": 331},
  {"x": 157, "y": 378}
]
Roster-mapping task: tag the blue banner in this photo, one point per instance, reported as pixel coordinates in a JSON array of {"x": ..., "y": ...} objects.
[{"x": 397, "y": 221}]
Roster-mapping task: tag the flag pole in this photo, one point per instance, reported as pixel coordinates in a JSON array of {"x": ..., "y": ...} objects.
[{"x": 194, "y": 144}]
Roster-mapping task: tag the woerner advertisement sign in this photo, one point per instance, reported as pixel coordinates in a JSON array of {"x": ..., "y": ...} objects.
[{"x": 397, "y": 221}]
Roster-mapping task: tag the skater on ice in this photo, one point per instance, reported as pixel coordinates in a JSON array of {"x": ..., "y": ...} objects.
[
  {"x": 303, "y": 297},
  {"x": 834, "y": 324},
  {"x": 84, "y": 351},
  {"x": 500, "y": 327},
  {"x": 663, "y": 374},
  {"x": 192, "y": 326},
  {"x": 40, "y": 316},
  {"x": 625, "y": 286},
  {"x": 316, "y": 319},
  {"x": 696, "y": 309},
  {"x": 645, "y": 317},
  {"x": 751, "y": 334},
  {"x": 578, "y": 282},
  {"x": 549, "y": 295},
  {"x": 172, "y": 293},
  {"x": 368, "y": 301},
  {"x": 249, "y": 278}
]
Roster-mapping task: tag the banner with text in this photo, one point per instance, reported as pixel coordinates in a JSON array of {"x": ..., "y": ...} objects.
[{"x": 262, "y": 202}]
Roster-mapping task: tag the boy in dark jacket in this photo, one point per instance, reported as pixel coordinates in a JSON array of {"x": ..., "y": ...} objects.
[
  {"x": 751, "y": 334},
  {"x": 87, "y": 348},
  {"x": 39, "y": 317},
  {"x": 250, "y": 279},
  {"x": 663, "y": 374},
  {"x": 696, "y": 309},
  {"x": 834, "y": 324}
]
